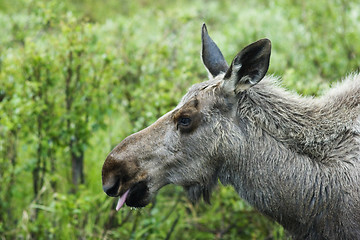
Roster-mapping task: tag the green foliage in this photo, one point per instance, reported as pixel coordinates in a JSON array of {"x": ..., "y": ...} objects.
[{"x": 76, "y": 77}]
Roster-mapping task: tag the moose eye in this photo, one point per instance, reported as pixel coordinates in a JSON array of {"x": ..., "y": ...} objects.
[{"x": 184, "y": 121}]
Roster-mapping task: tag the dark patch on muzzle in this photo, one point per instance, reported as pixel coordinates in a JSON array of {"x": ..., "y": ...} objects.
[{"x": 139, "y": 195}]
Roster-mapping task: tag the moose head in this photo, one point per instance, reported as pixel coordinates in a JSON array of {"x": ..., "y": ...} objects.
[
  {"x": 295, "y": 159},
  {"x": 188, "y": 146}
]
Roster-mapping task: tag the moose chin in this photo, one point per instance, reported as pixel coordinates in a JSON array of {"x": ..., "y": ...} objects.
[{"x": 295, "y": 159}]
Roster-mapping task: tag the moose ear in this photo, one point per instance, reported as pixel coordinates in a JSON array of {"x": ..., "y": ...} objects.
[
  {"x": 248, "y": 67},
  {"x": 211, "y": 55}
]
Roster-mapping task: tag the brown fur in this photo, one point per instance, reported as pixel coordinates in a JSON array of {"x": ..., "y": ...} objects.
[{"x": 295, "y": 159}]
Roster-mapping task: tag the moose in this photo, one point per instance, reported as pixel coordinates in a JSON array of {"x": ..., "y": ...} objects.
[{"x": 295, "y": 159}]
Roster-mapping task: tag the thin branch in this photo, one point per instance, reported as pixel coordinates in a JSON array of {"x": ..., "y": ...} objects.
[{"x": 168, "y": 235}]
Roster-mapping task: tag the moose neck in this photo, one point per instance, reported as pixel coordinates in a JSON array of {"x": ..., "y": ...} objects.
[
  {"x": 282, "y": 167},
  {"x": 278, "y": 182},
  {"x": 307, "y": 126}
]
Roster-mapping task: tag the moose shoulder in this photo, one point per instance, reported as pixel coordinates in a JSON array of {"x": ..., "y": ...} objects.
[{"x": 295, "y": 159}]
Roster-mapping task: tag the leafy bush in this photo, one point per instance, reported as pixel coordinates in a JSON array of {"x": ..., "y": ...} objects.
[{"x": 76, "y": 77}]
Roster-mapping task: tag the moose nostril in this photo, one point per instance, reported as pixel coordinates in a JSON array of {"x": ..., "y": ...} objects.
[{"x": 112, "y": 188}]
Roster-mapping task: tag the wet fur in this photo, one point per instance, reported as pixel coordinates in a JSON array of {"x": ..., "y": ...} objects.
[{"x": 295, "y": 159}]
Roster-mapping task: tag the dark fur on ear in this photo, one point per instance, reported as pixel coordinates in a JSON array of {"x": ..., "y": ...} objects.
[
  {"x": 211, "y": 55},
  {"x": 249, "y": 66}
]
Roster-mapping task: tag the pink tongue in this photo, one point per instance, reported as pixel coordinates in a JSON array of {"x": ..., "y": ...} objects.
[{"x": 122, "y": 200}]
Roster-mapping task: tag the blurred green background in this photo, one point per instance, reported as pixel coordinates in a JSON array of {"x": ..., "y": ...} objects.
[{"x": 78, "y": 76}]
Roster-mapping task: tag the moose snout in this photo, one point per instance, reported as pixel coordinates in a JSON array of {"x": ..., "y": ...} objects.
[
  {"x": 111, "y": 177},
  {"x": 120, "y": 171},
  {"x": 111, "y": 187}
]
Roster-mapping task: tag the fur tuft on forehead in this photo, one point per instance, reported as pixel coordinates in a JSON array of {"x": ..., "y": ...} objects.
[{"x": 199, "y": 88}]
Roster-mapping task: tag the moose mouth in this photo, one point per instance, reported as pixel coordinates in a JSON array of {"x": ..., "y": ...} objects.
[{"x": 136, "y": 196}]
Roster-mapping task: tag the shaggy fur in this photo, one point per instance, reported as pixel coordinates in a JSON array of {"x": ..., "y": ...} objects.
[{"x": 295, "y": 159}]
